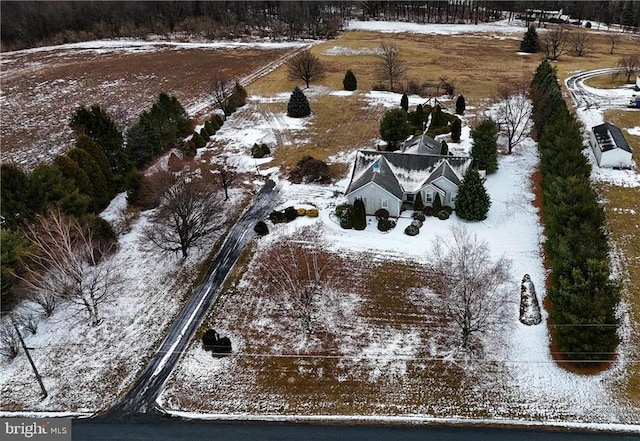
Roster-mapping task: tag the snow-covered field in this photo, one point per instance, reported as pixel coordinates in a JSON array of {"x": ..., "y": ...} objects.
[{"x": 523, "y": 382}]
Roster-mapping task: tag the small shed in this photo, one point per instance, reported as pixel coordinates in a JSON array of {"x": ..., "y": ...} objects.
[{"x": 610, "y": 147}]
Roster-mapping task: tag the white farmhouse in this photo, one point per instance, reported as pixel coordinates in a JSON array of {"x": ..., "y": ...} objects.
[
  {"x": 390, "y": 180},
  {"x": 610, "y": 147}
]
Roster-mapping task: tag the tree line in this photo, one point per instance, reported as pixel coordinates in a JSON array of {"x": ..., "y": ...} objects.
[
  {"x": 583, "y": 295},
  {"x": 29, "y": 23},
  {"x": 80, "y": 183}
]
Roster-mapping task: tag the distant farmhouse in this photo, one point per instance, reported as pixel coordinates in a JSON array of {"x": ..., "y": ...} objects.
[
  {"x": 610, "y": 147},
  {"x": 390, "y": 180}
]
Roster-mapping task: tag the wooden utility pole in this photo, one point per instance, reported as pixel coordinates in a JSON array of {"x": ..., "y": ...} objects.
[{"x": 26, "y": 351}]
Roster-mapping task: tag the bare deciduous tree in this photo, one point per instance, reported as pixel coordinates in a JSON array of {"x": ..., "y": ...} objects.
[
  {"x": 26, "y": 319},
  {"x": 514, "y": 112},
  {"x": 614, "y": 38},
  {"x": 68, "y": 262},
  {"x": 629, "y": 65},
  {"x": 473, "y": 286},
  {"x": 448, "y": 85},
  {"x": 554, "y": 42},
  {"x": 189, "y": 212},
  {"x": 390, "y": 68},
  {"x": 580, "y": 43},
  {"x": 306, "y": 67},
  {"x": 225, "y": 177},
  {"x": 221, "y": 90},
  {"x": 9, "y": 341},
  {"x": 298, "y": 275}
]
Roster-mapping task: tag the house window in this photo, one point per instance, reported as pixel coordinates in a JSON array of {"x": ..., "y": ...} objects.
[
  {"x": 385, "y": 203},
  {"x": 428, "y": 197},
  {"x": 410, "y": 197}
]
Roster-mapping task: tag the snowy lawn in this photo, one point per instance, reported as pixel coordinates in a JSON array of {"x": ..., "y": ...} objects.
[
  {"x": 379, "y": 345},
  {"x": 85, "y": 368}
]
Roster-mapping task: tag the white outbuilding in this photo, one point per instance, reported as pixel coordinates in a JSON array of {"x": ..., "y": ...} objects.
[{"x": 610, "y": 147}]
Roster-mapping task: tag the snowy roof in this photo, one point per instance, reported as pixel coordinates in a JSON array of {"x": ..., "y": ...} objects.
[
  {"x": 399, "y": 172},
  {"x": 423, "y": 145},
  {"x": 610, "y": 137}
]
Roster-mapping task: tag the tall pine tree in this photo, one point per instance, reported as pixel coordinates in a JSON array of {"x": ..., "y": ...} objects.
[
  {"x": 485, "y": 146},
  {"x": 472, "y": 202},
  {"x": 298, "y": 106},
  {"x": 530, "y": 41},
  {"x": 349, "y": 82}
]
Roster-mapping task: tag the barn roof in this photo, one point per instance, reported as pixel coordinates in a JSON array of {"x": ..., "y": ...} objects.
[{"x": 610, "y": 137}]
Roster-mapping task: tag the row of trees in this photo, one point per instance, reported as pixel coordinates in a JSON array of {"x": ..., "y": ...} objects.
[
  {"x": 583, "y": 295},
  {"x": 81, "y": 182}
]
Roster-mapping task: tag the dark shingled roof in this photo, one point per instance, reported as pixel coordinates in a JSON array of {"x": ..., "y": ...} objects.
[
  {"x": 423, "y": 145},
  {"x": 403, "y": 172},
  {"x": 377, "y": 171},
  {"x": 610, "y": 137}
]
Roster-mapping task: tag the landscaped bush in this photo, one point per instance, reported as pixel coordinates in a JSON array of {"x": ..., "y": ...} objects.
[
  {"x": 384, "y": 224},
  {"x": 416, "y": 223},
  {"x": 198, "y": 140},
  {"x": 344, "y": 212},
  {"x": 260, "y": 150},
  {"x": 382, "y": 213},
  {"x": 301, "y": 211},
  {"x": 443, "y": 215},
  {"x": 261, "y": 228},
  {"x": 309, "y": 169},
  {"x": 448, "y": 209},
  {"x": 277, "y": 217},
  {"x": 428, "y": 211},
  {"x": 419, "y": 215},
  {"x": 290, "y": 213},
  {"x": 349, "y": 82},
  {"x": 211, "y": 341},
  {"x": 312, "y": 212},
  {"x": 392, "y": 223},
  {"x": 359, "y": 215},
  {"x": 298, "y": 106},
  {"x": 412, "y": 230},
  {"x": 204, "y": 133},
  {"x": 210, "y": 128}
]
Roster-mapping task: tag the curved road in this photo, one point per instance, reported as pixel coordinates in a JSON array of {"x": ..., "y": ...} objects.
[
  {"x": 141, "y": 397},
  {"x": 590, "y": 97}
]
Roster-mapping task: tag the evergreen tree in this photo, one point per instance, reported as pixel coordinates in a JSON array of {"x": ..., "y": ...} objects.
[
  {"x": 472, "y": 201},
  {"x": 98, "y": 125},
  {"x": 359, "y": 215},
  {"x": 49, "y": 188},
  {"x": 97, "y": 153},
  {"x": 456, "y": 130},
  {"x": 530, "y": 42},
  {"x": 143, "y": 141},
  {"x": 199, "y": 140},
  {"x": 349, "y": 82},
  {"x": 298, "y": 106},
  {"x": 98, "y": 190},
  {"x": 444, "y": 148},
  {"x": 14, "y": 193},
  {"x": 394, "y": 127},
  {"x": 485, "y": 146},
  {"x": 437, "y": 204},
  {"x": 460, "y": 105},
  {"x": 404, "y": 102},
  {"x": 418, "y": 205}
]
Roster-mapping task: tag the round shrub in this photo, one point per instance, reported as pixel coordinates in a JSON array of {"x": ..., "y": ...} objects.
[
  {"x": 301, "y": 211},
  {"x": 416, "y": 223},
  {"x": 346, "y": 223},
  {"x": 198, "y": 140},
  {"x": 205, "y": 133},
  {"x": 419, "y": 215},
  {"x": 588, "y": 25},
  {"x": 384, "y": 224},
  {"x": 260, "y": 151},
  {"x": 392, "y": 224},
  {"x": 277, "y": 217},
  {"x": 261, "y": 228},
  {"x": 290, "y": 213},
  {"x": 412, "y": 230},
  {"x": 443, "y": 215},
  {"x": 428, "y": 211},
  {"x": 382, "y": 214},
  {"x": 312, "y": 212}
]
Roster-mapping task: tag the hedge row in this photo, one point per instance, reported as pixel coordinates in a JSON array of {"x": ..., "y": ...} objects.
[{"x": 582, "y": 294}]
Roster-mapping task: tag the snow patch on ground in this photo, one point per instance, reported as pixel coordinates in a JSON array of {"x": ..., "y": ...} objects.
[{"x": 502, "y": 26}]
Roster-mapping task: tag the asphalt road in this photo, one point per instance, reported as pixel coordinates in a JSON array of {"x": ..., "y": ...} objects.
[
  {"x": 158, "y": 429},
  {"x": 142, "y": 396}
]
